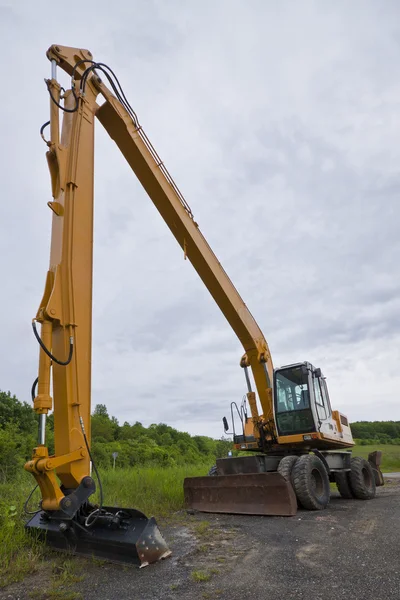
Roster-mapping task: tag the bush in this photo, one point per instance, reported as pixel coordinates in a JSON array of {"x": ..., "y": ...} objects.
[{"x": 10, "y": 457}]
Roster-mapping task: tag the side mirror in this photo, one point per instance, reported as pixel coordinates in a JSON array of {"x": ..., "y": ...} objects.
[
  {"x": 317, "y": 373},
  {"x": 225, "y": 422}
]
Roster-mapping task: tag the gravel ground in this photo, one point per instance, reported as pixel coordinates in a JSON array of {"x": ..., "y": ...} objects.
[{"x": 350, "y": 550}]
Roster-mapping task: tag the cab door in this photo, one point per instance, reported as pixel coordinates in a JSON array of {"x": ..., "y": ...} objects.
[{"x": 323, "y": 411}]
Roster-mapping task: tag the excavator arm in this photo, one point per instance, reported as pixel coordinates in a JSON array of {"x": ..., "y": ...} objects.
[
  {"x": 122, "y": 125},
  {"x": 151, "y": 172}
]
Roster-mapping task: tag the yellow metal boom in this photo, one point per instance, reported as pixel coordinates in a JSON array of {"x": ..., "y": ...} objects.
[{"x": 65, "y": 310}]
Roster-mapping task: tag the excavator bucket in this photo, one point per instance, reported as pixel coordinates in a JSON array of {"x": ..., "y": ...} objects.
[
  {"x": 244, "y": 494},
  {"x": 125, "y": 536}
]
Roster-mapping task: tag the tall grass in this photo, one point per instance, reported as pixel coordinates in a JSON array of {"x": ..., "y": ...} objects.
[
  {"x": 390, "y": 455},
  {"x": 153, "y": 490},
  {"x": 18, "y": 551}
]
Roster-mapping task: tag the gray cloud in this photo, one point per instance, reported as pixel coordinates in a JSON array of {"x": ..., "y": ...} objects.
[{"x": 280, "y": 124}]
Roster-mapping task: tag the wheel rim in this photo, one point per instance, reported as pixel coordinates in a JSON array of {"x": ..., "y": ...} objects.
[
  {"x": 366, "y": 475},
  {"x": 317, "y": 484}
]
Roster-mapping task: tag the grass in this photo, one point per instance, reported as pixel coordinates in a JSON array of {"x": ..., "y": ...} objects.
[
  {"x": 390, "y": 455},
  {"x": 153, "y": 490},
  {"x": 202, "y": 528},
  {"x": 58, "y": 584},
  {"x": 200, "y": 576},
  {"x": 19, "y": 553}
]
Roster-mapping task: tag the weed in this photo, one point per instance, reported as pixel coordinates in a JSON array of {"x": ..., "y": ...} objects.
[
  {"x": 200, "y": 576},
  {"x": 99, "y": 562},
  {"x": 202, "y": 528}
]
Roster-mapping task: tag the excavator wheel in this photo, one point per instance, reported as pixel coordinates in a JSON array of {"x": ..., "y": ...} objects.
[
  {"x": 311, "y": 482},
  {"x": 362, "y": 479},
  {"x": 342, "y": 480},
  {"x": 285, "y": 467}
]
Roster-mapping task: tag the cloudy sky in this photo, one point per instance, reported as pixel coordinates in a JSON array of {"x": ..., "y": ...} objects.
[{"x": 280, "y": 123}]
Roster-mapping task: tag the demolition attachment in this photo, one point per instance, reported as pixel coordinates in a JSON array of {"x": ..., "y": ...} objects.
[{"x": 120, "y": 535}]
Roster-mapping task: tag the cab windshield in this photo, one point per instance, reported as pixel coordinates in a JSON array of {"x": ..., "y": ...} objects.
[{"x": 292, "y": 401}]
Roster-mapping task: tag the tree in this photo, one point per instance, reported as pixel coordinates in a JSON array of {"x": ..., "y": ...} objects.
[
  {"x": 14, "y": 411},
  {"x": 102, "y": 427},
  {"x": 100, "y": 410},
  {"x": 10, "y": 459}
]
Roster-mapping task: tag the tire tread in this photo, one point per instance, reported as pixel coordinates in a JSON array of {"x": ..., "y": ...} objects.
[
  {"x": 302, "y": 482},
  {"x": 285, "y": 467},
  {"x": 358, "y": 487},
  {"x": 342, "y": 480}
]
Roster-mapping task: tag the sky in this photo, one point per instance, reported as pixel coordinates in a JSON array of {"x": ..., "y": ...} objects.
[{"x": 280, "y": 123}]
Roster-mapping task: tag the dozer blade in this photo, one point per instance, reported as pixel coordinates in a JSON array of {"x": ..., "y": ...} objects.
[
  {"x": 245, "y": 494},
  {"x": 131, "y": 538}
]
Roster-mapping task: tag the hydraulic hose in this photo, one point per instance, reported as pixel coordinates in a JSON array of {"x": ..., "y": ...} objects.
[{"x": 53, "y": 358}]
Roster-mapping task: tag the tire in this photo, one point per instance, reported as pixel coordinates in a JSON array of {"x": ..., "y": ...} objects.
[
  {"x": 213, "y": 471},
  {"x": 285, "y": 467},
  {"x": 311, "y": 482},
  {"x": 342, "y": 480},
  {"x": 362, "y": 479}
]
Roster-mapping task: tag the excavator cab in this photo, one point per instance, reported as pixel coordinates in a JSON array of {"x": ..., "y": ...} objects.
[
  {"x": 303, "y": 414},
  {"x": 293, "y": 406}
]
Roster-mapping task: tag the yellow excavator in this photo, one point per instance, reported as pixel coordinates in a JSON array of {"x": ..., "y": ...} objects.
[{"x": 294, "y": 446}]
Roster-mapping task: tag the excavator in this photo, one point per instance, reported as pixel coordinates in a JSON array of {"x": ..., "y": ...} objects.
[{"x": 291, "y": 449}]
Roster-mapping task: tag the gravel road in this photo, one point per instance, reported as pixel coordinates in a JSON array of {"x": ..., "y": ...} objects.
[{"x": 350, "y": 550}]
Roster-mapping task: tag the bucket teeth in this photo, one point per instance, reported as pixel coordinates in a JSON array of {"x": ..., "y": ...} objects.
[{"x": 151, "y": 546}]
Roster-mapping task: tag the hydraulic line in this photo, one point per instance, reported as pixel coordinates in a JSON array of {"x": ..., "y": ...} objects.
[{"x": 53, "y": 358}]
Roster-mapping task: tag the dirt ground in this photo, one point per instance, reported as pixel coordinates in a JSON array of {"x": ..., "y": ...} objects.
[{"x": 350, "y": 550}]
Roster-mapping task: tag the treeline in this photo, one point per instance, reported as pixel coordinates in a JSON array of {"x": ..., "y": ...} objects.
[
  {"x": 157, "y": 444},
  {"x": 135, "y": 444},
  {"x": 373, "y": 432}
]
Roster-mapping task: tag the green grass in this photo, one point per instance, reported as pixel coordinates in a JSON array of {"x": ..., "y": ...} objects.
[
  {"x": 153, "y": 490},
  {"x": 57, "y": 584},
  {"x": 200, "y": 576},
  {"x": 390, "y": 455},
  {"x": 19, "y": 553}
]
